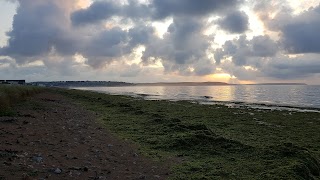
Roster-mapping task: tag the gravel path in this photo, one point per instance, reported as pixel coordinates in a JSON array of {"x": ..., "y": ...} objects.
[{"x": 53, "y": 138}]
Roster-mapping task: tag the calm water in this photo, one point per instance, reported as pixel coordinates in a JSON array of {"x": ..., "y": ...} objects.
[{"x": 279, "y": 95}]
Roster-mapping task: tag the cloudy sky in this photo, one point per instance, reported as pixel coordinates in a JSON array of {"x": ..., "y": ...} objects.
[{"x": 237, "y": 41}]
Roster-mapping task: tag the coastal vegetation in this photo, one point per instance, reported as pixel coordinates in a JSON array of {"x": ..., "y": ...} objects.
[
  {"x": 202, "y": 141},
  {"x": 213, "y": 141},
  {"x": 10, "y": 94}
]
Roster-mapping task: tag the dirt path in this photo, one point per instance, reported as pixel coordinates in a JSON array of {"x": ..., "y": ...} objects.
[{"x": 52, "y": 138}]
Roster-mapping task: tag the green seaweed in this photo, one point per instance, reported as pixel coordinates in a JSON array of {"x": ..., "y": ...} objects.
[{"x": 213, "y": 141}]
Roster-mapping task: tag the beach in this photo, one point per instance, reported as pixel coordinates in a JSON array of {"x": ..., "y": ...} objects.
[
  {"x": 94, "y": 135},
  {"x": 51, "y": 137}
]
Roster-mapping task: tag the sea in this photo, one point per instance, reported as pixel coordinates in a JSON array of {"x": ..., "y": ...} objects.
[{"x": 286, "y": 97}]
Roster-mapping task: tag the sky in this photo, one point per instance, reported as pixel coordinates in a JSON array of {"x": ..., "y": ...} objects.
[{"x": 234, "y": 41}]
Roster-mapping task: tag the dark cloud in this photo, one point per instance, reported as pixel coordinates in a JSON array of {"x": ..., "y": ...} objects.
[
  {"x": 301, "y": 34},
  {"x": 204, "y": 67},
  {"x": 37, "y": 28},
  {"x": 135, "y": 10},
  {"x": 283, "y": 67},
  {"x": 182, "y": 48},
  {"x": 298, "y": 33},
  {"x": 241, "y": 49},
  {"x": 106, "y": 46},
  {"x": 104, "y": 10},
  {"x": 53, "y": 32},
  {"x": 235, "y": 22},
  {"x": 98, "y": 11},
  {"x": 156, "y": 10},
  {"x": 166, "y": 8},
  {"x": 42, "y": 28},
  {"x": 108, "y": 43},
  {"x": 280, "y": 67},
  {"x": 140, "y": 35},
  {"x": 263, "y": 46},
  {"x": 114, "y": 43},
  {"x": 29, "y": 37}
]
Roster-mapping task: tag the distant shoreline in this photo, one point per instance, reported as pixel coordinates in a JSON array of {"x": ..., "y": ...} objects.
[
  {"x": 119, "y": 84},
  {"x": 210, "y": 84}
]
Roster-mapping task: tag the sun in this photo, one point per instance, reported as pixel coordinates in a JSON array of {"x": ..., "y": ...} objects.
[
  {"x": 227, "y": 78},
  {"x": 218, "y": 77},
  {"x": 82, "y": 4}
]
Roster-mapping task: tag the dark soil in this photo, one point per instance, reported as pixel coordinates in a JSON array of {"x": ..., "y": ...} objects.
[{"x": 51, "y": 137}]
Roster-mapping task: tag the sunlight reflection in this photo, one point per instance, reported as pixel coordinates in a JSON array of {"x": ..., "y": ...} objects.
[
  {"x": 266, "y": 94},
  {"x": 222, "y": 93}
]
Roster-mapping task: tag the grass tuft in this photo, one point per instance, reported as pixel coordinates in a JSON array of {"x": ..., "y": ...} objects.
[{"x": 11, "y": 94}]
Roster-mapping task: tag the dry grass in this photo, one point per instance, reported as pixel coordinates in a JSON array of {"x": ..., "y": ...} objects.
[{"x": 10, "y": 94}]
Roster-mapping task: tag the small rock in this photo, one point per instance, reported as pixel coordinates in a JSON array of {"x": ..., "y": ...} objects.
[
  {"x": 110, "y": 145},
  {"x": 85, "y": 169},
  {"x": 57, "y": 171},
  {"x": 7, "y": 164},
  {"x": 37, "y": 159},
  {"x": 75, "y": 168},
  {"x": 157, "y": 176}
]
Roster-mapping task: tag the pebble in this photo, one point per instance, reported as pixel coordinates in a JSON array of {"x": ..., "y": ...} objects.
[
  {"x": 58, "y": 171},
  {"x": 86, "y": 169},
  {"x": 75, "y": 168},
  {"x": 157, "y": 176},
  {"x": 37, "y": 159}
]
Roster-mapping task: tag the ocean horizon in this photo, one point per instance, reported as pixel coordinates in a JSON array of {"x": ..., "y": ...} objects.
[{"x": 258, "y": 96}]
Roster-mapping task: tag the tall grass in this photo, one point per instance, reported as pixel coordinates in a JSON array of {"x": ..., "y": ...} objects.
[{"x": 10, "y": 94}]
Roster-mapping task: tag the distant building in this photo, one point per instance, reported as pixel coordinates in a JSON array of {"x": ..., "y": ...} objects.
[{"x": 21, "y": 82}]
